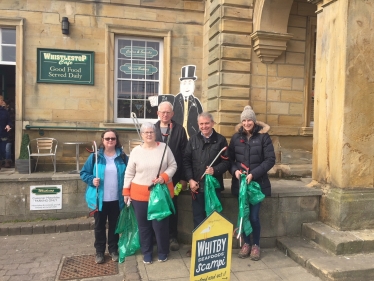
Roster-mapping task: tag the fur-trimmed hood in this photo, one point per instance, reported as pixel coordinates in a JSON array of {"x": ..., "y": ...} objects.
[{"x": 264, "y": 128}]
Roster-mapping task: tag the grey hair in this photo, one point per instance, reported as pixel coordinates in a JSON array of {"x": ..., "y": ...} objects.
[
  {"x": 147, "y": 125},
  {"x": 205, "y": 115},
  {"x": 166, "y": 102}
]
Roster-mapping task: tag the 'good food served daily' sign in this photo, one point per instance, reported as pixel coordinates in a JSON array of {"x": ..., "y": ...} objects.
[
  {"x": 65, "y": 67},
  {"x": 211, "y": 249}
]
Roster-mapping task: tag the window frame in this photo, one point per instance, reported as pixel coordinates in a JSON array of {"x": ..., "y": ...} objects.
[
  {"x": 8, "y": 45},
  {"x": 113, "y": 30},
  {"x": 116, "y": 79}
]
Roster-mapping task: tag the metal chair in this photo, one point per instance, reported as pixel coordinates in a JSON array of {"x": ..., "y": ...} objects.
[{"x": 44, "y": 147}]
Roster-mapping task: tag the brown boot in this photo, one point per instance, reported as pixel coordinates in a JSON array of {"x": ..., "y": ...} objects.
[{"x": 7, "y": 164}]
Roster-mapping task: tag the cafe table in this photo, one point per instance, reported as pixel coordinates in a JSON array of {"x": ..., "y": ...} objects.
[{"x": 77, "y": 144}]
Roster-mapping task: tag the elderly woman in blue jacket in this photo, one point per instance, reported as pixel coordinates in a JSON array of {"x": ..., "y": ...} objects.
[
  {"x": 105, "y": 189},
  {"x": 251, "y": 147}
]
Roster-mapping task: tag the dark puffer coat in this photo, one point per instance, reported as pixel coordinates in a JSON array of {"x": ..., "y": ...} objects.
[{"x": 257, "y": 153}]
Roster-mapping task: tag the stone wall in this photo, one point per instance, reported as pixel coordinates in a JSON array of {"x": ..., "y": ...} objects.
[{"x": 282, "y": 214}]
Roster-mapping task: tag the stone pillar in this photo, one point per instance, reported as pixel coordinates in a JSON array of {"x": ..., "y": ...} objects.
[
  {"x": 343, "y": 137},
  {"x": 227, "y": 61}
]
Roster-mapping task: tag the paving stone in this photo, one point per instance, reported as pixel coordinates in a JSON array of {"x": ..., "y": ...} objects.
[
  {"x": 61, "y": 228},
  {"x": 38, "y": 229},
  {"x": 84, "y": 226}
]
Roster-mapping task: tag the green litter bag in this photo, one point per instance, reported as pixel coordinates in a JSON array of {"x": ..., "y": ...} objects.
[
  {"x": 127, "y": 228},
  {"x": 255, "y": 194},
  {"x": 244, "y": 225},
  {"x": 160, "y": 204},
  {"x": 210, "y": 197}
]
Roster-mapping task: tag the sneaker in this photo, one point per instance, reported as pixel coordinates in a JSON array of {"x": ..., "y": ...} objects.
[
  {"x": 174, "y": 245},
  {"x": 99, "y": 258},
  {"x": 245, "y": 250},
  {"x": 162, "y": 258},
  {"x": 115, "y": 256},
  {"x": 255, "y": 253},
  {"x": 147, "y": 259}
]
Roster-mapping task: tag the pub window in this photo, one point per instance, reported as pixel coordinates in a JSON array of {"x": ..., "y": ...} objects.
[
  {"x": 138, "y": 75},
  {"x": 8, "y": 46}
]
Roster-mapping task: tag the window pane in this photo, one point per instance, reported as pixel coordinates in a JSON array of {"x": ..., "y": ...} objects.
[
  {"x": 8, "y": 36},
  {"x": 123, "y": 109},
  {"x": 151, "y": 112},
  {"x": 152, "y": 89},
  {"x": 124, "y": 69},
  {"x": 138, "y": 108},
  {"x": 124, "y": 48},
  {"x": 138, "y": 90},
  {"x": 152, "y": 70},
  {"x": 8, "y": 53},
  {"x": 124, "y": 89},
  {"x": 155, "y": 55},
  {"x": 138, "y": 69}
]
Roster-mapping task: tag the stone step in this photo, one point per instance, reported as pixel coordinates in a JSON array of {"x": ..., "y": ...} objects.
[
  {"x": 339, "y": 242},
  {"x": 326, "y": 265}
]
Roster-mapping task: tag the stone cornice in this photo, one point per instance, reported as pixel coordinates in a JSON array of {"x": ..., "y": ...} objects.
[{"x": 269, "y": 45}]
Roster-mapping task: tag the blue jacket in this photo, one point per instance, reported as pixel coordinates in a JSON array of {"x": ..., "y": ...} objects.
[{"x": 87, "y": 174}]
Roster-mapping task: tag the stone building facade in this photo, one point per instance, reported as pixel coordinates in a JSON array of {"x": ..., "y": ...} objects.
[
  {"x": 237, "y": 63},
  {"x": 276, "y": 55}
]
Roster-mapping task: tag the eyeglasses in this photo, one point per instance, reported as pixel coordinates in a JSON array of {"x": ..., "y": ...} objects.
[
  {"x": 165, "y": 112},
  {"x": 148, "y": 133},
  {"x": 108, "y": 139}
]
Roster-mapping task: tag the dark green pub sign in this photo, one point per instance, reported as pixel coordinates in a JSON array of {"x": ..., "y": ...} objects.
[{"x": 65, "y": 67}]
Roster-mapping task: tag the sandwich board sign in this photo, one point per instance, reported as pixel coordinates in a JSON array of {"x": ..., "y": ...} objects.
[{"x": 211, "y": 249}]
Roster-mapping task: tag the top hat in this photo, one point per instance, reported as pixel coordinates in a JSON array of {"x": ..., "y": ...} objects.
[{"x": 188, "y": 72}]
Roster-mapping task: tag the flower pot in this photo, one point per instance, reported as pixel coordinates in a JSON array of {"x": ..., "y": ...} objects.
[{"x": 22, "y": 165}]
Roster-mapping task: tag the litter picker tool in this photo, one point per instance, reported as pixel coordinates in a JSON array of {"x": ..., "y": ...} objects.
[
  {"x": 136, "y": 124},
  {"x": 92, "y": 213},
  {"x": 163, "y": 154},
  {"x": 214, "y": 160}
]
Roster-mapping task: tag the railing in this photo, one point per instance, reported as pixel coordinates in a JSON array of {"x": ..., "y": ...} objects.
[{"x": 41, "y": 128}]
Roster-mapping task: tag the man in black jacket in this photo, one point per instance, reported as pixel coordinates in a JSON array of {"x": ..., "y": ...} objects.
[
  {"x": 177, "y": 144},
  {"x": 201, "y": 150}
]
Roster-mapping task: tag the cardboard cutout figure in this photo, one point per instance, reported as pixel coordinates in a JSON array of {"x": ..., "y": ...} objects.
[{"x": 186, "y": 106}]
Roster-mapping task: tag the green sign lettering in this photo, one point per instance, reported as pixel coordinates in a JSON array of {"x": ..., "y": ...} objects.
[
  {"x": 139, "y": 52},
  {"x": 138, "y": 69},
  {"x": 48, "y": 190},
  {"x": 65, "y": 67}
]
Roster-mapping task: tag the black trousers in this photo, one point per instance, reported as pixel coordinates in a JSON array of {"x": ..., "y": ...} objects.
[
  {"x": 173, "y": 220},
  {"x": 110, "y": 212},
  {"x": 198, "y": 207},
  {"x": 146, "y": 228}
]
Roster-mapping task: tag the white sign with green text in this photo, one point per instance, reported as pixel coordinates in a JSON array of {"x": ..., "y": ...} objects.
[{"x": 45, "y": 197}]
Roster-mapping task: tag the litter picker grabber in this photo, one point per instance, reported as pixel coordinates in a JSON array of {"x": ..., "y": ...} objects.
[
  {"x": 163, "y": 154},
  {"x": 219, "y": 153},
  {"x": 92, "y": 213},
  {"x": 245, "y": 171},
  {"x": 136, "y": 124}
]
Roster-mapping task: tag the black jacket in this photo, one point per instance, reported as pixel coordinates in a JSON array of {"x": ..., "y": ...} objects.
[
  {"x": 257, "y": 153},
  {"x": 177, "y": 144},
  {"x": 200, "y": 154}
]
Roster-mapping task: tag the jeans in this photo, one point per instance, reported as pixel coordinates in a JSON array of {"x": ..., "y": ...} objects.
[
  {"x": 8, "y": 151},
  {"x": 254, "y": 218},
  {"x": 2, "y": 149},
  {"x": 198, "y": 207},
  {"x": 173, "y": 220}
]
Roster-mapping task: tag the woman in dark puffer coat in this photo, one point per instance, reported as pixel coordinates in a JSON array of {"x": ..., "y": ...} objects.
[{"x": 251, "y": 145}]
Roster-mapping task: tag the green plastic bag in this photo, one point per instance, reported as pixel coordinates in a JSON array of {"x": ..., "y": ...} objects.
[
  {"x": 127, "y": 228},
  {"x": 210, "y": 197},
  {"x": 255, "y": 194},
  {"x": 160, "y": 204},
  {"x": 243, "y": 223}
]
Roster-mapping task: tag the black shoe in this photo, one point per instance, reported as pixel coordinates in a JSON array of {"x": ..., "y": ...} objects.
[
  {"x": 115, "y": 256},
  {"x": 174, "y": 245},
  {"x": 99, "y": 258}
]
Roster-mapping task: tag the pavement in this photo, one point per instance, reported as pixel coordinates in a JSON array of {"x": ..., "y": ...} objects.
[{"x": 40, "y": 256}]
